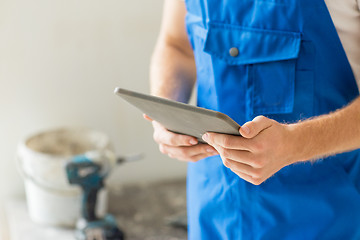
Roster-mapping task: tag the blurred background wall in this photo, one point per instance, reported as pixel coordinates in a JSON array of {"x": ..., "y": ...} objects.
[{"x": 60, "y": 61}]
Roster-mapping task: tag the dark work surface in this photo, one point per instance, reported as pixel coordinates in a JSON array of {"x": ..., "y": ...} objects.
[{"x": 145, "y": 211}]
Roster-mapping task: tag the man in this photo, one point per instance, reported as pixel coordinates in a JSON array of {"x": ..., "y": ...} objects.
[{"x": 279, "y": 69}]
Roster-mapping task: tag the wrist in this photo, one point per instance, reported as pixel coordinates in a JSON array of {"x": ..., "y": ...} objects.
[{"x": 298, "y": 143}]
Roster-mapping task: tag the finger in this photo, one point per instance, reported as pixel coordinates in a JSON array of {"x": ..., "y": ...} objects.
[
  {"x": 240, "y": 167},
  {"x": 169, "y": 150},
  {"x": 254, "y": 127},
  {"x": 195, "y": 158},
  {"x": 226, "y": 141},
  {"x": 249, "y": 178},
  {"x": 239, "y": 156},
  {"x": 163, "y": 136},
  {"x": 243, "y": 172},
  {"x": 188, "y": 152},
  {"x": 248, "y": 173},
  {"x": 147, "y": 117},
  {"x": 226, "y": 161}
]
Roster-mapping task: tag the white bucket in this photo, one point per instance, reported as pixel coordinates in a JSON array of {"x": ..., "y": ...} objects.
[{"x": 42, "y": 157}]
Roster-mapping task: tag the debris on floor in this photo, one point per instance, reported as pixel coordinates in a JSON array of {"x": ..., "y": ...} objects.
[{"x": 155, "y": 211}]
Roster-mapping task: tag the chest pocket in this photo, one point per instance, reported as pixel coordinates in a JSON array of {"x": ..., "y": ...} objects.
[{"x": 269, "y": 58}]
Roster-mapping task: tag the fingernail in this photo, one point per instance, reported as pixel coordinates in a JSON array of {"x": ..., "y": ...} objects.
[
  {"x": 205, "y": 137},
  {"x": 246, "y": 129},
  {"x": 193, "y": 142}
]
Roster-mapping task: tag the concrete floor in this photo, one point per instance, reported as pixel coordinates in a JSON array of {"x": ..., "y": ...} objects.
[{"x": 144, "y": 212}]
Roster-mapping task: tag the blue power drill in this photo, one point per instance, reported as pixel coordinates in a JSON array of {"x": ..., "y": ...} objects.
[{"x": 89, "y": 175}]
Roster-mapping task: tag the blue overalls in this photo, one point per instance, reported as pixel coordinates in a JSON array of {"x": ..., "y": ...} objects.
[{"x": 290, "y": 66}]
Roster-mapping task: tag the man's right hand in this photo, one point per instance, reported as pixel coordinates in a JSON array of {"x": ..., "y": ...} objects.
[{"x": 181, "y": 147}]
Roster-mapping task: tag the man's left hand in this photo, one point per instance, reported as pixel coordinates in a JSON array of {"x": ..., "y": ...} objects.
[{"x": 264, "y": 147}]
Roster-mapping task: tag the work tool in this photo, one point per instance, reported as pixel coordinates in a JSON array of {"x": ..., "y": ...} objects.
[{"x": 89, "y": 171}]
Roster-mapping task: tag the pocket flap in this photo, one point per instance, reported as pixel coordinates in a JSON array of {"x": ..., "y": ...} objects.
[{"x": 250, "y": 45}]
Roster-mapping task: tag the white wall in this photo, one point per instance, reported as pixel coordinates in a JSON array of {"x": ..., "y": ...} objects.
[{"x": 59, "y": 63}]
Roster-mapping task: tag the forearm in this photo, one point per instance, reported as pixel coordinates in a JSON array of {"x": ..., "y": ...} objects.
[
  {"x": 172, "y": 72},
  {"x": 172, "y": 69},
  {"x": 329, "y": 134}
]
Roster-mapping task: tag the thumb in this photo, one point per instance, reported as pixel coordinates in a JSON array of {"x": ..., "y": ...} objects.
[{"x": 254, "y": 127}]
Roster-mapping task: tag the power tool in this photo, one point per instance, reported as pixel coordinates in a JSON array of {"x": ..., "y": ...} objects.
[{"x": 89, "y": 171}]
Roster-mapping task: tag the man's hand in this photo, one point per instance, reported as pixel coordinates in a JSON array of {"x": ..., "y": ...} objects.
[
  {"x": 264, "y": 148},
  {"x": 181, "y": 147}
]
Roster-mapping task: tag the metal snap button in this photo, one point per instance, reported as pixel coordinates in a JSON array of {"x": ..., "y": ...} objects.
[{"x": 234, "y": 52}]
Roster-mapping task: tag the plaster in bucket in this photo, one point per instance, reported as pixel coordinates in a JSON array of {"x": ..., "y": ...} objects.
[{"x": 42, "y": 157}]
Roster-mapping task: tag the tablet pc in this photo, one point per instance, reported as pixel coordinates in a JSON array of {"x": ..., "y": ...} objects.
[{"x": 180, "y": 117}]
